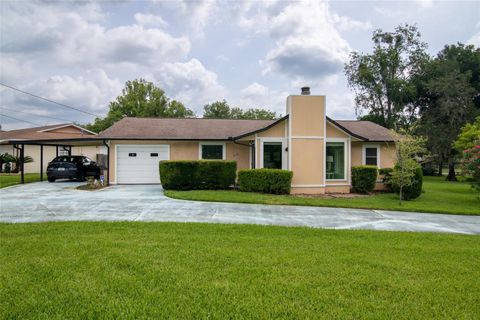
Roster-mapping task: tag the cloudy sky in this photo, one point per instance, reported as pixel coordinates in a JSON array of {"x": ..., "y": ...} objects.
[{"x": 251, "y": 53}]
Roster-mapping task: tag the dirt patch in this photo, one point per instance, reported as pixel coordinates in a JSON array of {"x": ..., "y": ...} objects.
[{"x": 90, "y": 187}]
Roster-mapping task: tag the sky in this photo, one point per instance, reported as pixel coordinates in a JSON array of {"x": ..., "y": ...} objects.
[{"x": 251, "y": 53}]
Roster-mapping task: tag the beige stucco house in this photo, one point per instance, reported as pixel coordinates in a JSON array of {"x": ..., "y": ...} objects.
[
  {"x": 320, "y": 151},
  {"x": 12, "y": 140}
]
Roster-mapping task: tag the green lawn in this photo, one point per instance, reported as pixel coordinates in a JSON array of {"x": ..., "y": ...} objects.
[
  {"x": 12, "y": 179},
  {"x": 439, "y": 196},
  {"x": 131, "y": 270}
]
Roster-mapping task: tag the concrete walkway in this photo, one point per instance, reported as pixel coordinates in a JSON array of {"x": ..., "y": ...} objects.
[{"x": 43, "y": 201}]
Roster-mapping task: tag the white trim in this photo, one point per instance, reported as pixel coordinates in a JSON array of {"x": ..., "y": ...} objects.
[
  {"x": 250, "y": 157},
  {"x": 349, "y": 168},
  {"x": 68, "y": 125},
  {"x": 274, "y": 139},
  {"x": 377, "y": 146},
  {"x": 256, "y": 151},
  {"x": 308, "y": 137},
  {"x": 345, "y": 158},
  {"x": 290, "y": 118},
  {"x": 337, "y": 184},
  {"x": 130, "y": 144},
  {"x": 324, "y": 164},
  {"x": 212, "y": 143}
]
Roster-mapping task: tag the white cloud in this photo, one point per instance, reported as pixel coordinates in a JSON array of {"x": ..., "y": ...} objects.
[
  {"x": 191, "y": 83},
  {"x": 257, "y": 95},
  {"x": 149, "y": 20},
  {"x": 57, "y": 32},
  {"x": 475, "y": 40},
  {"x": 307, "y": 41}
]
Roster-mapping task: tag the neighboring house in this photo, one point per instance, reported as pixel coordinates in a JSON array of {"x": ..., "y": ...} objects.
[
  {"x": 10, "y": 141},
  {"x": 320, "y": 151}
]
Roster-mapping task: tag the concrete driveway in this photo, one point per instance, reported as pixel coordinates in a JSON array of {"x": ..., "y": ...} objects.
[{"x": 60, "y": 201}]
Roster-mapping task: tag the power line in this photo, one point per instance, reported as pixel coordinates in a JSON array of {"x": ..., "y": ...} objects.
[
  {"x": 36, "y": 124},
  {"x": 36, "y": 115},
  {"x": 48, "y": 100}
]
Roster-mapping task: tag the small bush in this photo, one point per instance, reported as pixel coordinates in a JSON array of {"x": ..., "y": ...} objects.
[
  {"x": 414, "y": 190},
  {"x": 386, "y": 174},
  {"x": 265, "y": 180},
  {"x": 197, "y": 174},
  {"x": 364, "y": 178},
  {"x": 429, "y": 169}
]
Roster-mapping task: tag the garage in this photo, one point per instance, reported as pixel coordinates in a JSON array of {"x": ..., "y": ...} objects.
[{"x": 138, "y": 164}]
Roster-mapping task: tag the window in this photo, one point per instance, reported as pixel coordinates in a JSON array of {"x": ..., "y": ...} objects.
[
  {"x": 212, "y": 151},
  {"x": 154, "y": 154},
  {"x": 62, "y": 151},
  {"x": 335, "y": 160},
  {"x": 370, "y": 155},
  {"x": 272, "y": 155},
  {"x": 132, "y": 154}
]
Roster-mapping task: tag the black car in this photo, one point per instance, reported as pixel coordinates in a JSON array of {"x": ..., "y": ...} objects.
[{"x": 72, "y": 167}]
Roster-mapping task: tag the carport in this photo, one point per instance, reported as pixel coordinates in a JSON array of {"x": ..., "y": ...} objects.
[{"x": 60, "y": 144}]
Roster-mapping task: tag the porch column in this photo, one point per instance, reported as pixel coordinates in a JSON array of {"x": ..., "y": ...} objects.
[
  {"x": 22, "y": 159},
  {"x": 41, "y": 162}
]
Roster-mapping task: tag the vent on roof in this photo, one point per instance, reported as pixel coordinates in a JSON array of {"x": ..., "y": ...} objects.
[{"x": 305, "y": 91}]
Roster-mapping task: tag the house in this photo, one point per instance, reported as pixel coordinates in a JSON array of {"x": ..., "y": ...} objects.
[
  {"x": 12, "y": 139},
  {"x": 320, "y": 151}
]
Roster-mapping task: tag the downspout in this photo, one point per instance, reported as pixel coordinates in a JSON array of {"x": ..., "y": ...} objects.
[
  {"x": 251, "y": 145},
  {"x": 108, "y": 161}
]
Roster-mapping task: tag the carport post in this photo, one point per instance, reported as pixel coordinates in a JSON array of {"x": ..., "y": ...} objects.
[
  {"x": 22, "y": 159},
  {"x": 41, "y": 162},
  {"x": 108, "y": 160}
]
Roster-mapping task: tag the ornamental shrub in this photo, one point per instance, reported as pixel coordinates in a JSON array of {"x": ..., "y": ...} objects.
[
  {"x": 364, "y": 178},
  {"x": 470, "y": 165},
  {"x": 274, "y": 181},
  {"x": 386, "y": 174},
  {"x": 414, "y": 190},
  {"x": 197, "y": 174}
]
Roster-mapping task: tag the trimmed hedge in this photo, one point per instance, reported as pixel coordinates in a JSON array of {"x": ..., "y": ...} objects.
[
  {"x": 414, "y": 190},
  {"x": 274, "y": 181},
  {"x": 197, "y": 174},
  {"x": 364, "y": 178}
]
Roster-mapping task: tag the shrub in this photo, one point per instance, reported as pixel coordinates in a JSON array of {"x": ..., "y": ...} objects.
[
  {"x": 429, "y": 169},
  {"x": 274, "y": 181},
  {"x": 197, "y": 174},
  {"x": 470, "y": 165},
  {"x": 414, "y": 190},
  {"x": 386, "y": 174},
  {"x": 364, "y": 178}
]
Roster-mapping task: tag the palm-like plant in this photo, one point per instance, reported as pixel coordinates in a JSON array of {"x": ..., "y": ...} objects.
[{"x": 18, "y": 163}]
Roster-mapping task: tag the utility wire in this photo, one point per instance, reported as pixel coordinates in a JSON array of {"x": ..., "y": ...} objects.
[
  {"x": 37, "y": 115},
  {"x": 36, "y": 124},
  {"x": 48, "y": 100}
]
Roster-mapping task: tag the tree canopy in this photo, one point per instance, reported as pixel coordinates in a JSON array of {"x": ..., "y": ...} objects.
[
  {"x": 382, "y": 80},
  {"x": 140, "y": 98},
  {"x": 447, "y": 97},
  {"x": 221, "y": 110}
]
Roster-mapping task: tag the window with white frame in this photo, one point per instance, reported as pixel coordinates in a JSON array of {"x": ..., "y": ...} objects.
[
  {"x": 371, "y": 155},
  {"x": 212, "y": 151},
  {"x": 335, "y": 161},
  {"x": 272, "y": 155}
]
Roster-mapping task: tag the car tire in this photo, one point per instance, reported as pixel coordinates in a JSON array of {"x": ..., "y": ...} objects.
[
  {"x": 51, "y": 179},
  {"x": 82, "y": 177}
]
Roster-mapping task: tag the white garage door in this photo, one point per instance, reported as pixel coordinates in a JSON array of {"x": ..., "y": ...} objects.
[{"x": 138, "y": 164}]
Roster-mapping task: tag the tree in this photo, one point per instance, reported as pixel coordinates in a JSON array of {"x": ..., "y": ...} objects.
[
  {"x": 221, "y": 110},
  {"x": 382, "y": 80},
  {"x": 469, "y": 136},
  {"x": 447, "y": 100},
  {"x": 140, "y": 98},
  {"x": 408, "y": 148}
]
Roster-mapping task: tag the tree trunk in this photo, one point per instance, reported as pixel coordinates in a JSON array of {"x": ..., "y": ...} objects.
[
  {"x": 440, "y": 168},
  {"x": 451, "y": 169}
]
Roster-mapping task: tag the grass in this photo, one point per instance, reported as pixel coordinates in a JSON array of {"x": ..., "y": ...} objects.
[
  {"x": 439, "y": 196},
  {"x": 7, "y": 180},
  {"x": 131, "y": 270}
]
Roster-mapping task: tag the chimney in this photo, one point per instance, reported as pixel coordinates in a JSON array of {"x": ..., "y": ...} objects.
[{"x": 305, "y": 91}]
